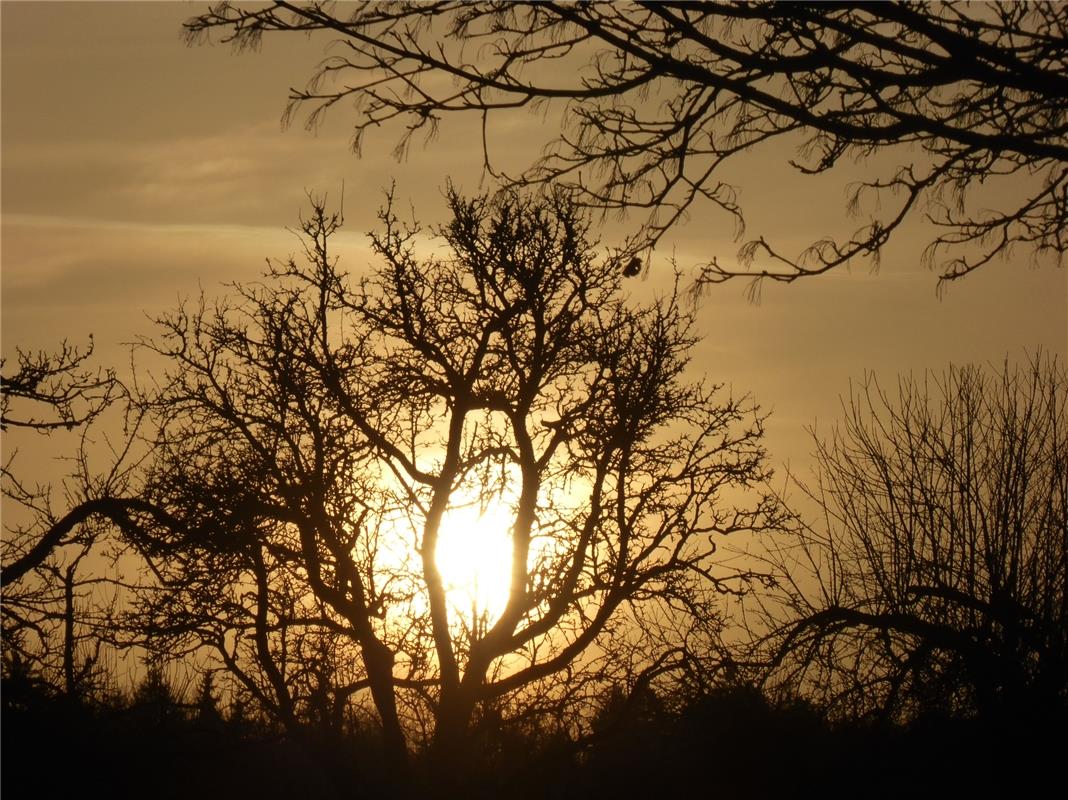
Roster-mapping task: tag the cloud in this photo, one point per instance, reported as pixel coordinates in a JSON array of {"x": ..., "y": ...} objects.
[{"x": 69, "y": 277}]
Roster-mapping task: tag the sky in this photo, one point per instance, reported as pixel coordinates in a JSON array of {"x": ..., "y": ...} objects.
[{"x": 137, "y": 170}]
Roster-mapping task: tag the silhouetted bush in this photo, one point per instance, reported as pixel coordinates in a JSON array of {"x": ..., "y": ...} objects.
[{"x": 732, "y": 743}]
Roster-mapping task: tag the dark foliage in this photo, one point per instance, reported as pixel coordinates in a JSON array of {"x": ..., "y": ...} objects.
[{"x": 728, "y": 743}]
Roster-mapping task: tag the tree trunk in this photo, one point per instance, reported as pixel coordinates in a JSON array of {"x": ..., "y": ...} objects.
[
  {"x": 68, "y": 634},
  {"x": 378, "y": 659},
  {"x": 451, "y": 757}
]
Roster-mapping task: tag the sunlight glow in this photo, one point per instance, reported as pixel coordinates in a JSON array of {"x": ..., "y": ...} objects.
[{"x": 474, "y": 556}]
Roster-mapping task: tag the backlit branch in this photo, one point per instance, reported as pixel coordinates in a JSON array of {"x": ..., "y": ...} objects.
[{"x": 977, "y": 91}]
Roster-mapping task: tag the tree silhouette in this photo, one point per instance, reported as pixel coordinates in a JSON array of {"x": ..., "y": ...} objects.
[
  {"x": 960, "y": 95},
  {"x": 51, "y": 390},
  {"x": 314, "y": 433},
  {"x": 58, "y": 612},
  {"x": 937, "y": 575}
]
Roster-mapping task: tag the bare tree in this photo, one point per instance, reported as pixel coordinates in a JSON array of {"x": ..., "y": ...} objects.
[
  {"x": 961, "y": 94},
  {"x": 58, "y": 607},
  {"x": 316, "y": 427},
  {"x": 937, "y": 575},
  {"x": 223, "y": 590}
]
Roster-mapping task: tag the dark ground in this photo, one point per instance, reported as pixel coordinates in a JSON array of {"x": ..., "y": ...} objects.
[{"x": 732, "y": 744}]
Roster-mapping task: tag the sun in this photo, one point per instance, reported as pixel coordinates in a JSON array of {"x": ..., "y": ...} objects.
[{"x": 474, "y": 557}]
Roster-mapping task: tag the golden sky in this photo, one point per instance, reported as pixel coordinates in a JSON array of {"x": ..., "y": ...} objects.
[{"x": 136, "y": 170}]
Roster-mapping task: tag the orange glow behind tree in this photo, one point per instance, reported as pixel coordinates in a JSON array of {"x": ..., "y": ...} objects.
[{"x": 301, "y": 419}]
